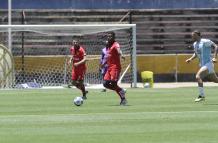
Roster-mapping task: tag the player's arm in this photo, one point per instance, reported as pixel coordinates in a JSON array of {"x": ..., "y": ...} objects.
[
  {"x": 81, "y": 62},
  {"x": 215, "y": 52},
  {"x": 191, "y": 58},
  {"x": 70, "y": 60},
  {"x": 120, "y": 53}
]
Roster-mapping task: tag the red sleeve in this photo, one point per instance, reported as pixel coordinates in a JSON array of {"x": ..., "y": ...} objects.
[
  {"x": 117, "y": 45},
  {"x": 83, "y": 51}
]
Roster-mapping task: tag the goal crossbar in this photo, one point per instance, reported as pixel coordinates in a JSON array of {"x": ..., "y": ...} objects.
[{"x": 77, "y": 29}]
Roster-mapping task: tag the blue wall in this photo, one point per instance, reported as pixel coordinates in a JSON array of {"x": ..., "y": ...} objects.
[{"x": 109, "y": 4}]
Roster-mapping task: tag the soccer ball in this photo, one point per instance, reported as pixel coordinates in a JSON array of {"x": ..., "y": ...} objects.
[{"x": 78, "y": 101}]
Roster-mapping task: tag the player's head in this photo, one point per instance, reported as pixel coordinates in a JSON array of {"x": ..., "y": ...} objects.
[
  {"x": 76, "y": 44},
  {"x": 196, "y": 35},
  {"x": 110, "y": 37}
]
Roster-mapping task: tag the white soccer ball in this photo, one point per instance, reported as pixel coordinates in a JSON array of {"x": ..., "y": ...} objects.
[{"x": 78, "y": 101}]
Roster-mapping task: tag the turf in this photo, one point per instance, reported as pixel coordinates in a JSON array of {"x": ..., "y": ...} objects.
[{"x": 152, "y": 116}]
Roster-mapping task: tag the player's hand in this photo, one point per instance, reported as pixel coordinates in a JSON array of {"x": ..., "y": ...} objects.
[
  {"x": 75, "y": 64},
  {"x": 69, "y": 62},
  {"x": 214, "y": 60},
  {"x": 188, "y": 61}
]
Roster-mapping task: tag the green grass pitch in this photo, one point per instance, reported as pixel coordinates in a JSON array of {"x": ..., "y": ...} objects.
[{"x": 152, "y": 116}]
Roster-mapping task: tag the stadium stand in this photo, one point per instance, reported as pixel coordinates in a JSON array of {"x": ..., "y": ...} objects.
[
  {"x": 158, "y": 31},
  {"x": 57, "y": 17},
  {"x": 168, "y": 31}
]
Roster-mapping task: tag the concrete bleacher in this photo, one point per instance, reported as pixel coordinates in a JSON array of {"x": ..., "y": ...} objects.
[
  {"x": 54, "y": 16},
  {"x": 57, "y": 44},
  {"x": 168, "y": 31},
  {"x": 158, "y": 31}
]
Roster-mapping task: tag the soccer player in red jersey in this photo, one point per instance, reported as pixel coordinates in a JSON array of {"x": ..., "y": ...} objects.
[
  {"x": 114, "y": 67},
  {"x": 78, "y": 60}
]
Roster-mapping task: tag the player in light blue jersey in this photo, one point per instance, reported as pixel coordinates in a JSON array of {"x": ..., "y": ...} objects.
[{"x": 203, "y": 51}]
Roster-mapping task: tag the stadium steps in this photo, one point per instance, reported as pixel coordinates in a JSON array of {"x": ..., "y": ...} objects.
[
  {"x": 156, "y": 28},
  {"x": 68, "y": 16},
  {"x": 167, "y": 29}
]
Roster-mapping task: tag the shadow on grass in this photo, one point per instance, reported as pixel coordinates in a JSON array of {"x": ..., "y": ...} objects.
[{"x": 120, "y": 105}]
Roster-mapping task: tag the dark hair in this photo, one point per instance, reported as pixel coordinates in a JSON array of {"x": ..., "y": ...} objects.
[
  {"x": 112, "y": 33},
  {"x": 197, "y": 32}
]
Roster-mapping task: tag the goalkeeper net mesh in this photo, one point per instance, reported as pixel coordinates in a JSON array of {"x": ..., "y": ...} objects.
[{"x": 41, "y": 52}]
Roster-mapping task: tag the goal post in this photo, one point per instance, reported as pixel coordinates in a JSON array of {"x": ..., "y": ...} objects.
[
  {"x": 6, "y": 67},
  {"x": 41, "y": 52}
]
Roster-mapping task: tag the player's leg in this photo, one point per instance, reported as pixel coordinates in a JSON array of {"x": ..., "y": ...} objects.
[
  {"x": 77, "y": 81},
  {"x": 107, "y": 80},
  {"x": 112, "y": 85},
  {"x": 80, "y": 85},
  {"x": 120, "y": 91},
  {"x": 203, "y": 72},
  {"x": 103, "y": 74},
  {"x": 73, "y": 79},
  {"x": 213, "y": 77},
  {"x": 107, "y": 84},
  {"x": 110, "y": 82},
  {"x": 212, "y": 74}
]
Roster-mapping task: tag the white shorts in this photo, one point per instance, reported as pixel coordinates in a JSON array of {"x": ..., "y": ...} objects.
[{"x": 210, "y": 67}]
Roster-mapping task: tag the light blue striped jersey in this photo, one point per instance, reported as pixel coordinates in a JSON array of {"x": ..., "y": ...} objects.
[{"x": 203, "y": 51}]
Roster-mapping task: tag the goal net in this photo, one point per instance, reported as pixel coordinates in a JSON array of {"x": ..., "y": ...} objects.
[{"x": 41, "y": 52}]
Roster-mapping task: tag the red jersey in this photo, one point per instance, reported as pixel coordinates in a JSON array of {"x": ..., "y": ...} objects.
[
  {"x": 78, "y": 55},
  {"x": 113, "y": 60}
]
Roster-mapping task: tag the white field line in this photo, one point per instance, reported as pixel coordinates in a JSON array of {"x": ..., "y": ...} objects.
[
  {"x": 101, "y": 117},
  {"x": 127, "y": 113}
]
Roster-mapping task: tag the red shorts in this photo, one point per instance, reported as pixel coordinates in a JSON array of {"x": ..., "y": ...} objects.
[
  {"x": 78, "y": 74},
  {"x": 112, "y": 74}
]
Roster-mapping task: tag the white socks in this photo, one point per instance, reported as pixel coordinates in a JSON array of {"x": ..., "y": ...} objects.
[{"x": 201, "y": 91}]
